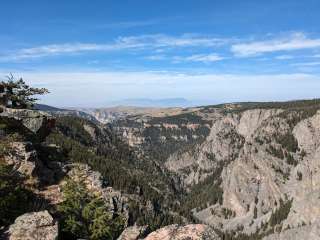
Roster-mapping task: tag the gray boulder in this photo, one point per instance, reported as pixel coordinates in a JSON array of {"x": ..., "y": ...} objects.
[
  {"x": 133, "y": 233},
  {"x": 37, "y": 122},
  {"x": 35, "y": 225},
  {"x": 191, "y": 231}
]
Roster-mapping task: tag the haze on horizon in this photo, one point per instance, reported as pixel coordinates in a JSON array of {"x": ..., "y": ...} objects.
[{"x": 92, "y": 54}]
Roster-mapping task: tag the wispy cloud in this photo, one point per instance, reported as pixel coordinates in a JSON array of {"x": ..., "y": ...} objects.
[
  {"x": 284, "y": 57},
  {"x": 156, "y": 57},
  {"x": 106, "y": 25},
  {"x": 187, "y": 40},
  {"x": 156, "y": 42},
  {"x": 64, "y": 49},
  {"x": 295, "y": 41},
  {"x": 306, "y": 64},
  {"x": 204, "y": 58}
]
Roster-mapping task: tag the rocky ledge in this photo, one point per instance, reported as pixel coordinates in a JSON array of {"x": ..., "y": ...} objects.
[
  {"x": 187, "y": 232},
  {"x": 35, "y": 225},
  {"x": 36, "y": 122}
]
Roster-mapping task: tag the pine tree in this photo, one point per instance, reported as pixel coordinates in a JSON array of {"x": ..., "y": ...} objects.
[
  {"x": 85, "y": 215},
  {"x": 17, "y": 94}
]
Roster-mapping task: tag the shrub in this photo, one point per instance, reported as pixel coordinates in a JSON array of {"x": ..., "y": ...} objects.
[{"x": 85, "y": 215}]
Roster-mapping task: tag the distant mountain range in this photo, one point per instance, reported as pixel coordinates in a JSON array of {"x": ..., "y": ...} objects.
[
  {"x": 64, "y": 112},
  {"x": 147, "y": 102},
  {"x": 43, "y": 107}
]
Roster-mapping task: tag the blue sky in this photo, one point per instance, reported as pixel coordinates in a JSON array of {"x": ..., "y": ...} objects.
[{"x": 91, "y": 53}]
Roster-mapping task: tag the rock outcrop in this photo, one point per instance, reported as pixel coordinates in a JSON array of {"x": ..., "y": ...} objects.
[
  {"x": 35, "y": 225},
  {"x": 305, "y": 232},
  {"x": 25, "y": 160},
  {"x": 176, "y": 232},
  {"x": 33, "y": 126},
  {"x": 37, "y": 122},
  {"x": 133, "y": 233}
]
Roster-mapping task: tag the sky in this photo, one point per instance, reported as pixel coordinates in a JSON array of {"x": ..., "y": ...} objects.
[{"x": 94, "y": 53}]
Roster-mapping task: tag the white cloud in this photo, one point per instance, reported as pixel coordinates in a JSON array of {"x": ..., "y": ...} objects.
[
  {"x": 294, "y": 41},
  {"x": 156, "y": 42},
  {"x": 205, "y": 58},
  {"x": 306, "y": 64},
  {"x": 156, "y": 57},
  {"x": 66, "y": 49},
  {"x": 161, "y": 40},
  {"x": 284, "y": 57}
]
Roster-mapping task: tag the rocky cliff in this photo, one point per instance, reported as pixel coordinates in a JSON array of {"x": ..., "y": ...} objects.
[{"x": 253, "y": 168}]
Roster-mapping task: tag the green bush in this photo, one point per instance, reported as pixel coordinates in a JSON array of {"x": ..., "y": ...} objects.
[{"x": 86, "y": 216}]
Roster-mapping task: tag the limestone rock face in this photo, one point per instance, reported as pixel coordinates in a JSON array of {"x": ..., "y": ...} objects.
[
  {"x": 25, "y": 160},
  {"x": 22, "y": 158},
  {"x": 37, "y": 122},
  {"x": 260, "y": 157},
  {"x": 34, "y": 126},
  {"x": 307, "y": 232},
  {"x": 176, "y": 232},
  {"x": 256, "y": 176},
  {"x": 35, "y": 225},
  {"x": 133, "y": 233}
]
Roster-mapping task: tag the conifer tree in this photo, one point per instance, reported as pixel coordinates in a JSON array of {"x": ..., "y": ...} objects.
[
  {"x": 85, "y": 215},
  {"x": 17, "y": 94}
]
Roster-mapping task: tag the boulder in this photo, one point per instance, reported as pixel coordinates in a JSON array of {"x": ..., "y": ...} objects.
[
  {"x": 35, "y": 225},
  {"x": 187, "y": 232},
  {"x": 133, "y": 233},
  {"x": 37, "y": 122}
]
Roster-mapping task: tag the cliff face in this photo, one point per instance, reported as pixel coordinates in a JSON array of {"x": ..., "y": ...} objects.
[
  {"x": 26, "y": 128},
  {"x": 33, "y": 122},
  {"x": 265, "y": 160}
]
